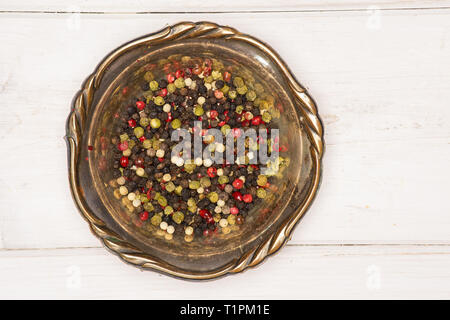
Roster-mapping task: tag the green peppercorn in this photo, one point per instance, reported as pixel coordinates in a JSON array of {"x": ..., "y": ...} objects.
[
  {"x": 155, "y": 123},
  {"x": 261, "y": 180},
  {"x": 216, "y": 75},
  {"x": 232, "y": 94},
  {"x": 251, "y": 95},
  {"x": 178, "y": 217},
  {"x": 176, "y": 123},
  {"x": 242, "y": 90},
  {"x": 223, "y": 179},
  {"x": 147, "y": 144},
  {"x": 239, "y": 109},
  {"x": 143, "y": 198},
  {"x": 213, "y": 197},
  {"x": 144, "y": 122},
  {"x": 138, "y": 132},
  {"x": 154, "y": 85},
  {"x": 261, "y": 193},
  {"x": 266, "y": 117},
  {"x": 159, "y": 101},
  {"x": 198, "y": 111},
  {"x": 156, "y": 220},
  {"x": 171, "y": 88},
  {"x": 225, "y": 129},
  {"x": 168, "y": 210},
  {"x": 192, "y": 209},
  {"x": 148, "y": 206},
  {"x": 238, "y": 82},
  {"x": 148, "y": 76},
  {"x": 191, "y": 202},
  {"x": 225, "y": 89},
  {"x": 170, "y": 186},
  {"x": 263, "y": 105},
  {"x": 205, "y": 182},
  {"x": 194, "y": 185},
  {"x": 179, "y": 83},
  {"x": 124, "y": 137},
  {"x": 178, "y": 190},
  {"x": 162, "y": 201},
  {"x": 209, "y": 79}
]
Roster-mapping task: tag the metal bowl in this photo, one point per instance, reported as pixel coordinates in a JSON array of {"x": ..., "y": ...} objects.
[{"x": 90, "y": 126}]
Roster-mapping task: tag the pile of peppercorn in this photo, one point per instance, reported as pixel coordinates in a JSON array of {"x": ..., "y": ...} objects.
[{"x": 193, "y": 197}]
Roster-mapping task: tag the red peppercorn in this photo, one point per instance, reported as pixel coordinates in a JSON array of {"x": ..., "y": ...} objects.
[
  {"x": 237, "y": 132},
  {"x": 226, "y": 76},
  {"x": 197, "y": 70},
  {"x": 179, "y": 74},
  {"x": 247, "y": 198},
  {"x": 238, "y": 183},
  {"x": 143, "y": 215},
  {"x": 123, "y": 146},
  {"x": 132, "y": 123},
  {"x": 256, "y": 121},
  {"x": 90, "y": 148},
  {"x": 139, "y": 162},
  {"x": 124, "y": 162},
  {"x": 237, "y": 195},
  {"x": 211, "y": 172},
  {"x": 234, "y": 210},
  {"x": 170, "y": 77},
  {"x": 213, "y": 114},
  {"x": 245, "y": 123},
  {"x": 206, "y": 233},
  {"x": 207, "y": 71},
  {"x": 222, "y": 123},
  {"x": 125, "y": 90},
  {"x": 142, "y": 139},
  {"x": 204, "y": 213},
  {"x": 163, "y": 92},
  {"x": 140, "y": 105}
]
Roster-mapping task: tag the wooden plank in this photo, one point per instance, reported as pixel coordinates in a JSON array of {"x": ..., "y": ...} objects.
[
  {"x": 159, "y": 6},
  {"x": 382, "y": 90},
  {"x": 372, "y": 272}
]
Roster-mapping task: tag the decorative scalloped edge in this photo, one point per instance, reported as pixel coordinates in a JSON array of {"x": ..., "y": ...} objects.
[{"x": 131, "y": 254}]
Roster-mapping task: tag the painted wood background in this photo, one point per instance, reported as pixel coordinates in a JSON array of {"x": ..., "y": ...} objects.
[{"x": 380, "y": 74}]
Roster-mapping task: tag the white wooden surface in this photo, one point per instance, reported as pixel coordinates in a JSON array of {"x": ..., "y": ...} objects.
[{"x": 380, "y": 74}]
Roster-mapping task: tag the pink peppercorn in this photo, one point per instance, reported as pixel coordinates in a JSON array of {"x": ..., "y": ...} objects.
[
  {"x": 213, "y": 114},
  {"x": 256, "y": 120},
  {"x": 163, "y": 92},
  {"x": 123, "y": 146},
  {"x": 132, "y": 123},
  {"x": 238, "y": 183},
  {"x": 170, "y": 77},
  {"x": 179, "y": 74},
  {"x": 140, "y": 105},
  {"x": 237, "y": 195},
  {"x": 211, "y": 172},
  {"x": 234, "y": 210},
  {"x": 218, "y": 94},
  {"x": 143, "y": 215},
  {"x": 247, "y": 198},
  {"x": 124, "y": 162}
]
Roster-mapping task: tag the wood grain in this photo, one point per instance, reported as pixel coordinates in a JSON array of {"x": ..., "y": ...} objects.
[
  {"x": 381, "y": 80},
  {"x": 371, "y": 272},
  {"x": 198, "y": 6}
]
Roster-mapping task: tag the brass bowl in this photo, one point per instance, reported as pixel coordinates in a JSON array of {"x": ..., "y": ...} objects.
[{"x": 90, "y": 126}]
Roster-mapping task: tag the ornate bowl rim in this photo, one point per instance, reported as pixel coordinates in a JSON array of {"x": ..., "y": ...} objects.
[{"x": 82, "y": 103}]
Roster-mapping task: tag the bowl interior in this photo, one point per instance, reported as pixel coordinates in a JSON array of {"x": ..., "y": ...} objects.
[{"x": 128, "y": 70}]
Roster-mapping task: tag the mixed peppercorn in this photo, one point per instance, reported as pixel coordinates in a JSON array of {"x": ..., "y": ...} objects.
[{"x": 197, "y": 197}]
